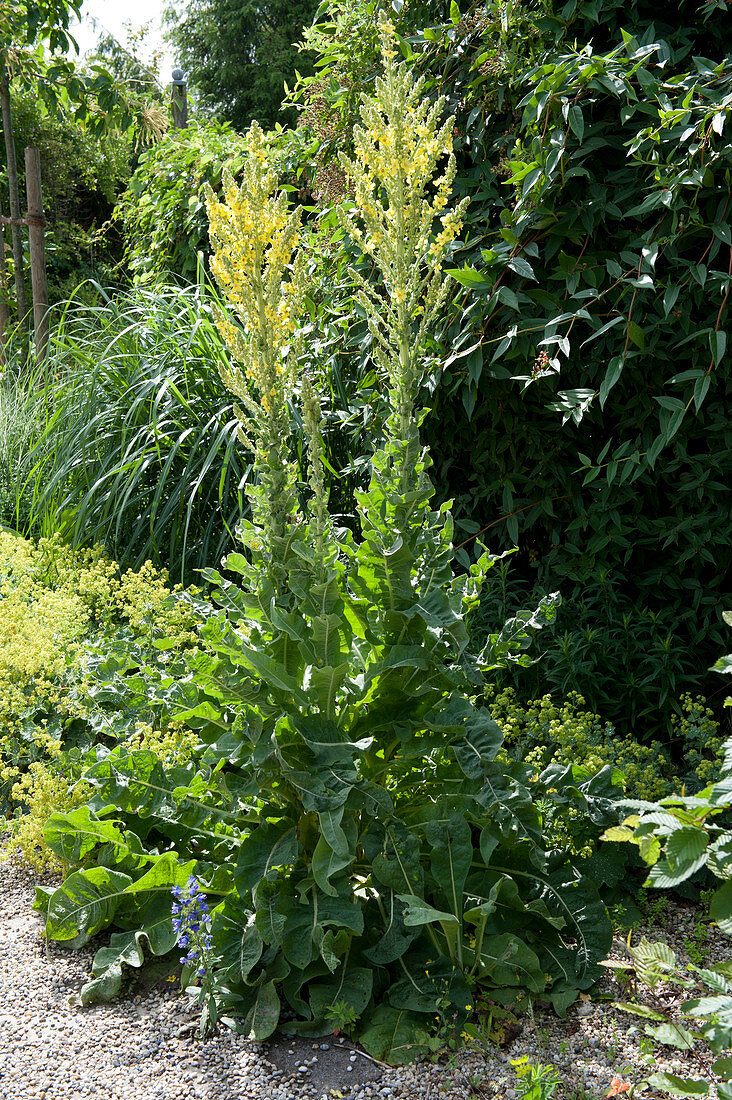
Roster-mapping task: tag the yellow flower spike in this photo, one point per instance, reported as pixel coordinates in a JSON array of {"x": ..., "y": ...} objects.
[
  {"x": 398, "y": 147},
  {"x": 255, "y": 237}
]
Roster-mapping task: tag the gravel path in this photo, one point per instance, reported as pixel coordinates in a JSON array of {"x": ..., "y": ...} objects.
[{"x": 141, "y": 1047}]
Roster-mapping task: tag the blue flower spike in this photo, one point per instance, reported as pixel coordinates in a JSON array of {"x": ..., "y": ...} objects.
[{"x": 192, "y": 922}]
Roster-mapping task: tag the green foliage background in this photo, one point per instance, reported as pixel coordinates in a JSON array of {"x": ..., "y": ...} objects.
[
  {"x": 82, "y": 176},
  {"x": 162, "y": 210},
  {"x": 582, "y": 410}
]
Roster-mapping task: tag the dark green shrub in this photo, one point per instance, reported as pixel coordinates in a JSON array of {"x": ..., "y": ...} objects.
[
  {"x": 582, "y": 411},
  {"x": 82, "y": 174}
]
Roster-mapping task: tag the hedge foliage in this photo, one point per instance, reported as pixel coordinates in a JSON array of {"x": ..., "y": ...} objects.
[
  {"x": 82, "y": 177},
  {"x": 582, "y": 411}
]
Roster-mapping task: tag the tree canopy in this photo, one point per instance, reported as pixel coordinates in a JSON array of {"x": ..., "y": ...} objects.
[{"x": 239, "y": 54}]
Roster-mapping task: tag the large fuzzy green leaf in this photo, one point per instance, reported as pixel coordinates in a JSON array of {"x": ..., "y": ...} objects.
[
  {"x": 418, "y": 912},
  {"x": 398, "y": 865},
  {"x": 85, "y": 903},
  {"x": 450, "y": 859},
  {"x": 327, "y": 863},
  {"x": 350, "y": 984},
  {"x": 428, "y": 983},
  {"x": 263, "y": 1016},
  {"x": 90, "y": 899},
  {"x": 477, "y": 738},
  {"x": 306, "y": 921},
  {"x": 396, "y": 938},
  {"x": 133, "y": 782},
  {"x": 72, "y": 836},
  {"x": 509, "y": 806},
  {"x": 505, "y": 960},
  {"x": 327, "y": 741},
  {"x": 395, "y": 1035},
  {"x": 273, "y": 844},
  {"x": 127, "y": 949}
]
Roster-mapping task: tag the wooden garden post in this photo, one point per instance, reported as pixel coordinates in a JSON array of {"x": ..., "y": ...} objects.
[
  {"x": 3, "y": 292},
  {"x": 14, "y": 196},
  {"x": 36, "y": 223},
  {"x": 179, "y": 99}
]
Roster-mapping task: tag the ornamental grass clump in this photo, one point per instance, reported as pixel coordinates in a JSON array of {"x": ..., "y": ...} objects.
[{"x": 378, "y": 863}]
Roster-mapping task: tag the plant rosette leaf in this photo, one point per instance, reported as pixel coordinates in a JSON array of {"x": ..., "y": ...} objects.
[
  {"x": 395, "y": 1035},
  {"x": 678, "y": 1086}
]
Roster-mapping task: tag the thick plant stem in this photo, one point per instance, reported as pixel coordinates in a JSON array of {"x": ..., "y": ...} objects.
[{"x": 14, "y": 196}]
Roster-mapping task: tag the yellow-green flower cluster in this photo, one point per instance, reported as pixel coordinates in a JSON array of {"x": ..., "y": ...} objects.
[
  {"x": 173, "y": 743},
  {"x": 254, "y": 240},
  {"x": 52, "y": 599},
  {"x": 545, "y": 732},
  {"x": 43, "y": 619},
  {"x": 143, "y": 599},
  {"x": 401, "y": 218},
  {"x": 44, "y": 789}
]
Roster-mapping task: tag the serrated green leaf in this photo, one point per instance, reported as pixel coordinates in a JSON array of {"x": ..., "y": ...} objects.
[
  {"x": 686, "y": 847},
  {"x": 720, "y": 909}
]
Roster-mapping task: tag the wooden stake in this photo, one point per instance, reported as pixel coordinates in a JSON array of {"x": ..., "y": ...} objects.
[
  {"x": 14, "y": 197},
  {"x": 36, "y": 223},
  {"x": 4, "y": 317}
]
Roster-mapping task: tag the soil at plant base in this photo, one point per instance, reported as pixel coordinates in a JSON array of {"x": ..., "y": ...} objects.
[
  {"x": 328, "y": 1065},
  {"x": 142, "y": 1046}
]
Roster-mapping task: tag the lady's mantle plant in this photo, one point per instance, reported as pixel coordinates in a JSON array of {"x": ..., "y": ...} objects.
[{"x": 387, "y": 864}]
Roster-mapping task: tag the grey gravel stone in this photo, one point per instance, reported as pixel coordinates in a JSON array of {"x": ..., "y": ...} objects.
[{"x": 142, "y": 1048}]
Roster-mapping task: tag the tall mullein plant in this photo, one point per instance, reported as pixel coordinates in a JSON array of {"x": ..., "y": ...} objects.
[{"x": 379, "y": 830}]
